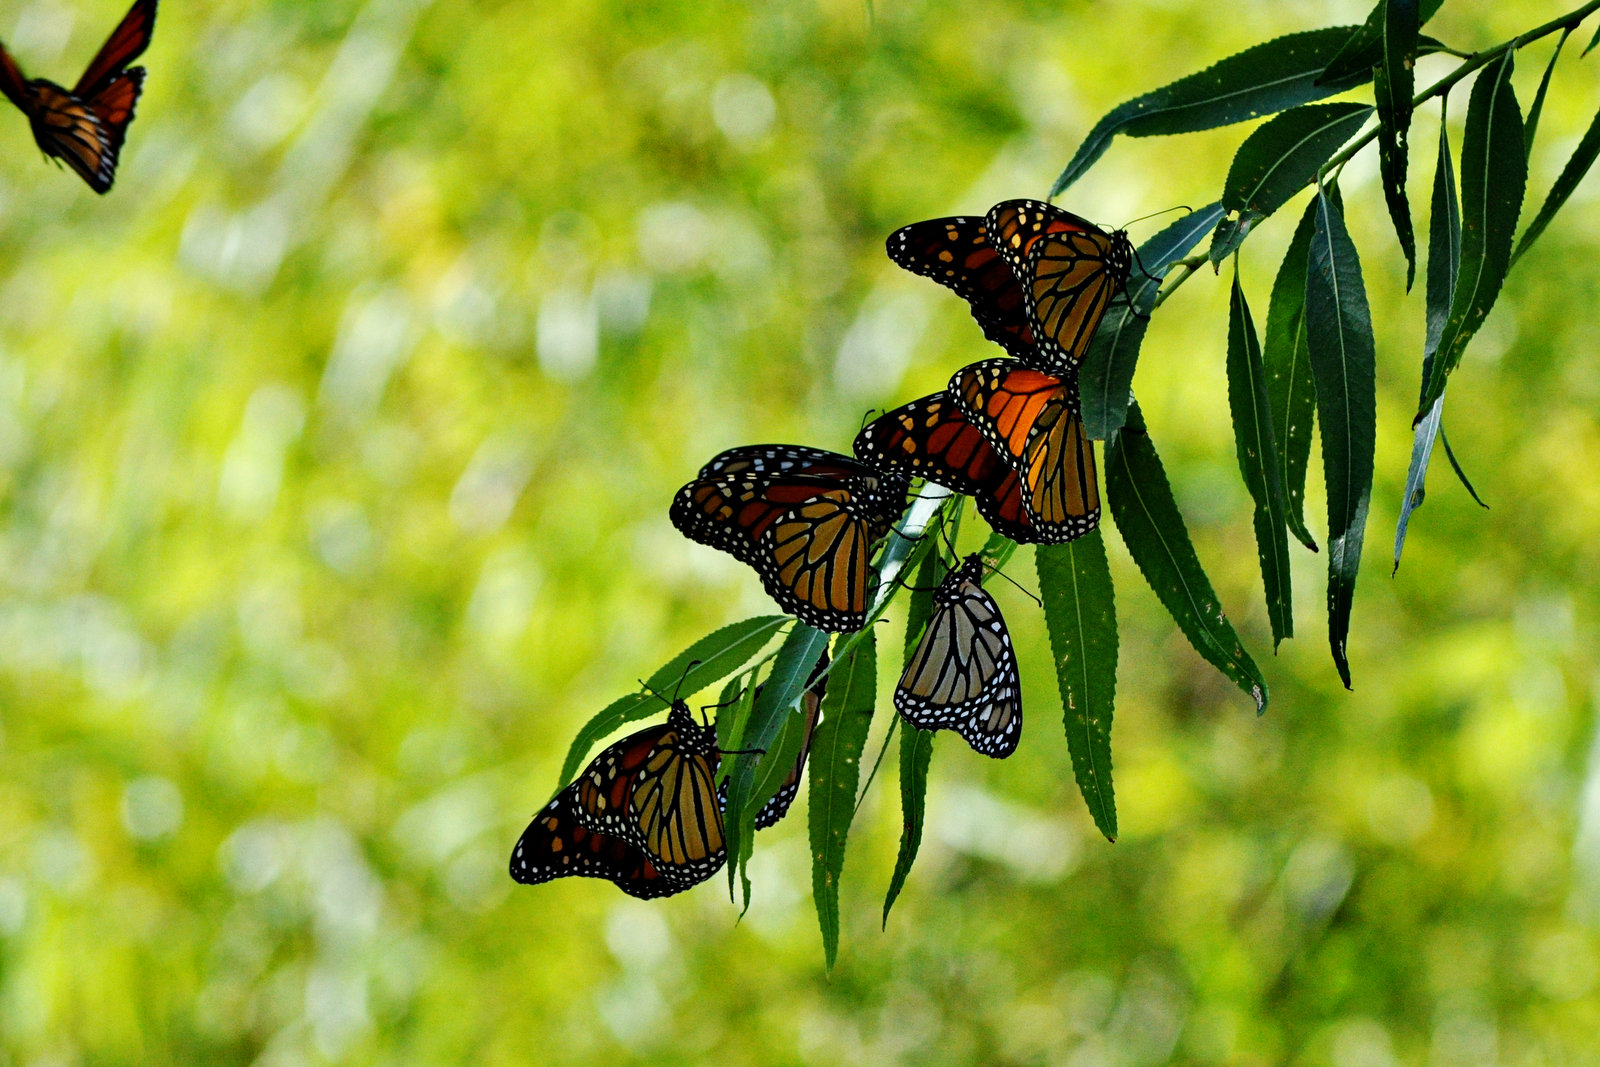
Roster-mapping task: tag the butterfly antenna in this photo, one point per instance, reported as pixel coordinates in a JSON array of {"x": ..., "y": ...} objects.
[
  {"x": 1013, "y": 581},
  {"x": 691, "y": 665},
  {"x": 648, "y": 688},
  {"x": 1153, "y": 214}
]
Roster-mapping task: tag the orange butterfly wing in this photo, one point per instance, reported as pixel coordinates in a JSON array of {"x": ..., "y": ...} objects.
[{"x": 126, "y": 43}]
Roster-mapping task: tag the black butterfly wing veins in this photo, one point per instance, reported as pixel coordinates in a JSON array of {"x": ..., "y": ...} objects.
[
  {"x": 85, "y": 126},
  {"x": 963, "y": 674},
  {"x": 805, "y": 519},
  {"x": 557, "y": 844},
  {"x": 956, "y": 253}
]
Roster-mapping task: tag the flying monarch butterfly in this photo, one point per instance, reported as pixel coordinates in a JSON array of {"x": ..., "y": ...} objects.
[
  {"x": 84, "y": 126},
  {"x": 1032, "y": 419},
  {"x": 1070, "y": 270},
  {"x": 963, "y": 674},
  {"x": 804, "y": 518},
  {"x": 933, "y": 438},
  {"x": 956, "y": 253}
]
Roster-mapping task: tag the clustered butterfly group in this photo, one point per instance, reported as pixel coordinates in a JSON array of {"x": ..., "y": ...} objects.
[{"x": 647, "y": 813}]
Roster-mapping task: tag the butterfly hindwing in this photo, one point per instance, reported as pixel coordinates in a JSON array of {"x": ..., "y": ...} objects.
[
  {"x": 963, "y": 673},
  {"x": 956, "y": 253},
  {"x": 557, "y": 844}
]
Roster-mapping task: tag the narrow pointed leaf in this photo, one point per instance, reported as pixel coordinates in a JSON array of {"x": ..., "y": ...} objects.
[
  {"x": 1258, "y": 460},
  {"x": 1081, "y": 615},
  {"x": 1455, "y": 465},
  {"x": 1592, "y": 42},
  {"x": 1287, "y": 361},
  {"x": 1393, "y": 84},
  {"x": 720, "y": 654},
  {"x": 1147, "y": 517},
  {"x": 1364, "y": 49},
  {"x": 1494, "y": 171},
  {"x": 797, "y": 657},
  {"x": 916, "y": 753},
  {"x": 1283, "y": 154},
  {"x": 1531, "y": 126},
  {"x": 1279, "y": 74},
  {"x": 1444, "y": 260},
  {"x": 1583, "y": 158},
  {"x": 1228, "y": 236},
  {"x": 1339, "y": 327},
  {"x": 1106, "y": 375},
  {"x": 835, "y": 771}
]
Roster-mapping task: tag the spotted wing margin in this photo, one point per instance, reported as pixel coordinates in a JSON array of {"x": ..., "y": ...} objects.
[
  {"x": 963, "y": 674},
  {"x": 813, "y": 560},
  {"x": 126, "y": 43},
  {"x": 14, "y": 84},
  {"x": 604, "y": 790},
  {"x": 956, "y": 253},
  {"x": 679, "y": 814},
  {"x": 1014, "y": 225},
  {"x": 557, "y": 844},
  {"x": 931, "y": 438},
  {"x": 1068, "y": 286}
]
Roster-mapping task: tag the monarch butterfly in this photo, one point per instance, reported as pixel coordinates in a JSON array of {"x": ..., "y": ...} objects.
[
  {"x": 804, "y": 518},
  {"x": 956, "y": 253},
  {"x": 557, "y": 844},
  {"x": 931, "y": 438},
  {"x": 963, "y": 674},
  {"x": 1069, "y": 269},
  {"x": 1032, "y": 419},
  {"x": 84, "y": 126}
]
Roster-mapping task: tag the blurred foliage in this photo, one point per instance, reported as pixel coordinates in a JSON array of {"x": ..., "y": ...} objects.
[{"x": 335, "y": 450}]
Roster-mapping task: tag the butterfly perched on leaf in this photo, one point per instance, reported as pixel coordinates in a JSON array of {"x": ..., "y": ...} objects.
[
  {"x": 962, "y": 675},
  {"x": 1069, "y": 269},
  {"x": 646, "y": 813},
  {"x": 1032, "y": 419},
  {"x": 805, "y": 518},
  {"x": 84, "y": 126}
]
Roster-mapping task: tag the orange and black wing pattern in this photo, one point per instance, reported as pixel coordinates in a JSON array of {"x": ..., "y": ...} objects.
[
  {"x": 126, "y": 43},
  {"x": 804, "y": 518},
  {"x": 1032, "y": 419},
  {"x": 1069, "y": 270},
  {"x": 956, "y": 253},
  {"x": 932, "y": 438},
  {"x": 557, "y": 844}
]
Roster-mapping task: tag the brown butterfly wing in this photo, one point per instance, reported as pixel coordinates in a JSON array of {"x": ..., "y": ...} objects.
[
  {"x": 69, "y": 130},
  {"x": 126, "y": 43},
  {"x": 14, "y": 84}
]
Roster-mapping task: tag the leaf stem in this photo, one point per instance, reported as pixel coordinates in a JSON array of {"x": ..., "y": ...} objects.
[
  {"x": 1472, "y": 62},
  {"x": 1185, "y": 267}
]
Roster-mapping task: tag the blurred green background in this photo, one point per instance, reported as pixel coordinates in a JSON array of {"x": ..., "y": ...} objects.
[{"x": 336, "y": 445}]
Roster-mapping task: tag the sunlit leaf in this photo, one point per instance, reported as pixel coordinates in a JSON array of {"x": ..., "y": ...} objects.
[
  {"x": 1258, "y": 460},
  {"x": 1106, "y": 375},
  {"x": 1494, "y": 171},
  {"x": 1081, "y": 614},
  {"x": 720, "y": 654},
  {"x": 1147, "y": 517},
  {"x": 835, "y": 771},
  {"x": 1343, "y": 367},
  {"x": 1280, "y": 73},
  {"x": 1287, "y": 362}
]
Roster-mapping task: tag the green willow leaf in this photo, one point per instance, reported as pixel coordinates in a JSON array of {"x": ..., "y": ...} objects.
[
  {"x": 720, "y": 654},
  {"x": 1287, "y": 362},
  {"x": 1147, "y": 517},
  {"x": 1258, "y": 459},
  {"x": 1583, "y": 158},
  {"x": 797, "y": 657},
  {"x": 1283, "y": 154},
  {"x": 1494, "y": 172},
  {"x": 1080, "y": 612},
  {"x": 1444, "y": 262},
  {"x": 1531, "y": 126},
  {"x": 1268, "y": 78},
  {"x": 998, "y": 550},
  {"x": 1455, "y": 465},
  {"x": 1228, "y": 236},
  {"x": 1592, "y": 42},
  {"x": 1106, "y": 375},
  {"x": 916, "y": 753},
  {"x": 1343, "y": 367},
  {"x": 1393, "y": 84},
  {"x": 1364, "y": 49},
  {"x": 835, "y": 771}
]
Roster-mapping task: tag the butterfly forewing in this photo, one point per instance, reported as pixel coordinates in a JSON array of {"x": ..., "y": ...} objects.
[
  {"x": 963, "y": 673},
  {"x": 557, "y": 844},
  {"x": 956, "y": 253},
  {"x": 126, "y": 43}
]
